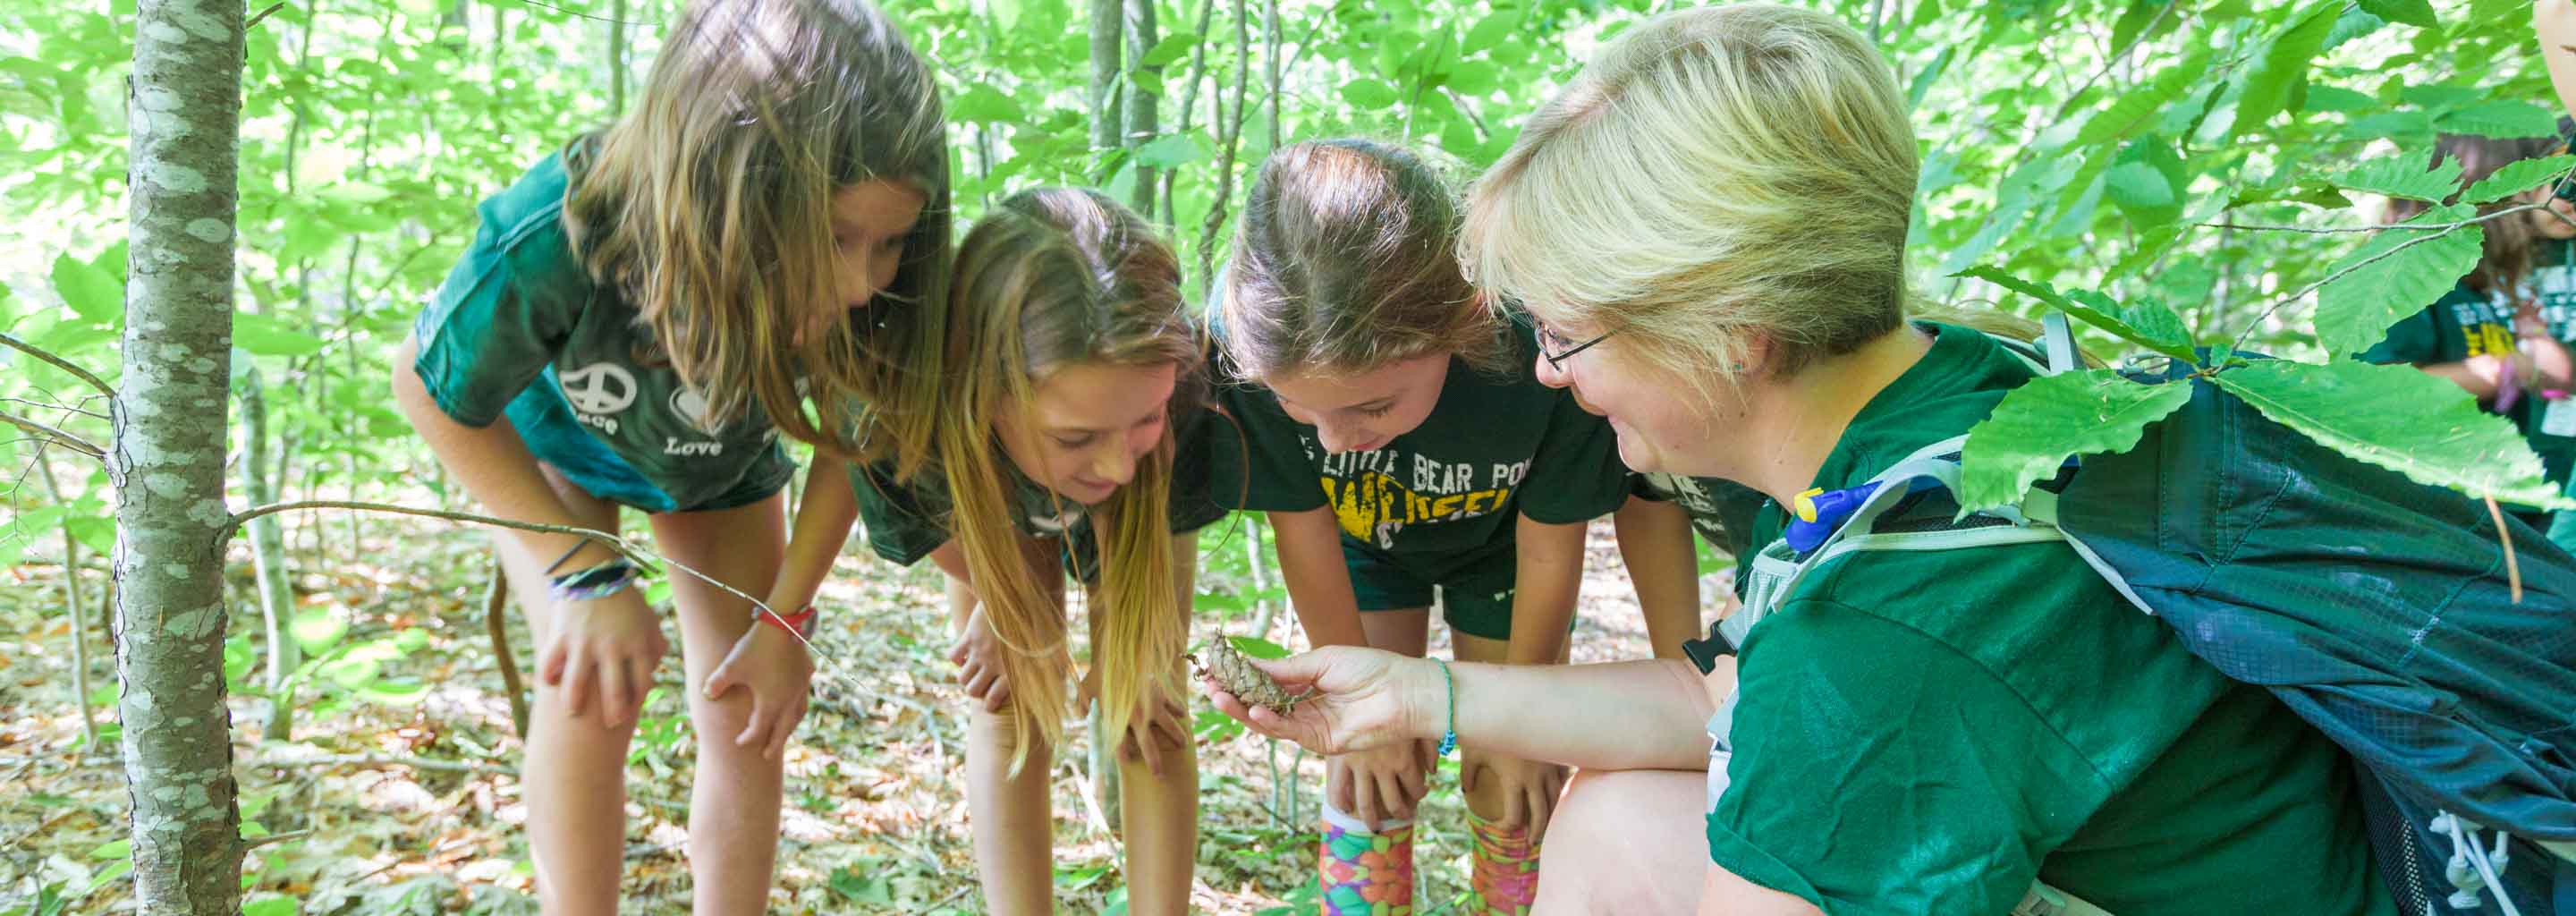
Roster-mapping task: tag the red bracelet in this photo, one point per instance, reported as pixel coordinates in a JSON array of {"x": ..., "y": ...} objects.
[{"x": 800, "y": 623}]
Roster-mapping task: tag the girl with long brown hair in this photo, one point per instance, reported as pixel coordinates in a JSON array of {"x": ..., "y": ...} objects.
[{"x": 759, "y": 248}]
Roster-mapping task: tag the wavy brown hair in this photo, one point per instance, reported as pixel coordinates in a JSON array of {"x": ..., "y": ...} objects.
[
  {"x": 2510, "y": 244},
  {"x": 1054, "y": 277},
  {"x": 1345, "y": 260},
  {"x": 709, "y": 207}
]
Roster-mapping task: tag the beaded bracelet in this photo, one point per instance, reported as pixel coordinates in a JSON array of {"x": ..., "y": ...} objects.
[{"x": 1449, "y": 741}]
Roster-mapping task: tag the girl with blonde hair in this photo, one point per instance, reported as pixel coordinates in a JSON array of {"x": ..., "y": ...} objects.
[
  {"x": 1709, "y": 225},
  {"x": 760, "y": 247},
  {"x": 1068, "y": 440},
  {"x": 1406, "y": 454}
]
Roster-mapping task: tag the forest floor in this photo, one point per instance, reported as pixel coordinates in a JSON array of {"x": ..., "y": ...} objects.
[{"x": 398, "y": 792}]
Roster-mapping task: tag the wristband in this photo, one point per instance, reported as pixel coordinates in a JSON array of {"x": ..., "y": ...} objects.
[
  {"x": 800, "y": 623},
  {"x": 1449, "y": 740},
  {"x": 596, "y": 582}
]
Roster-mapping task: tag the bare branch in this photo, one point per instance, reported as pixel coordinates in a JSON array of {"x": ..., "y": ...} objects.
[
  {"x": 59, "y": 363},
  {"x": 65, "y": 408},
  {"x": 59, "y": 437},
  {"x": 625, "y": 548},
  {"x": 2248, "y": 333},
  {"x": 257, "y": 17},
  {"x": 1232, "y": 135},
  {"x": 2444, "y": 228}
]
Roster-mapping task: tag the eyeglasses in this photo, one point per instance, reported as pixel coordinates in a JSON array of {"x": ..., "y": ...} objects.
[{"x": 1554, "y": 348}]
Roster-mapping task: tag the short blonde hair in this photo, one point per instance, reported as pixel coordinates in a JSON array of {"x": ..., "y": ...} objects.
[{"x": 1717, "y": 175}]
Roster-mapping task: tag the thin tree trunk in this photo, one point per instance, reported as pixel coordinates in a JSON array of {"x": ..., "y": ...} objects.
[
  {"x": 617, "y": 60},
  {"x": 73, "y": 606},
  {"x": 268, "y": 561},
  {"x": 1143, "y": 114},
  {"x": 184, "y": 120},
  {"x": 1270, "y": 61},
  {"x": 1189, "y": 103},
  {"x": 1230, "y": 134},
  {"x": 1106, "y": 118}
]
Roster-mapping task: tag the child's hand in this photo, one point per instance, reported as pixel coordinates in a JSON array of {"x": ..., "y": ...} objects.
[
  {"x": 978, "y": 657},
  {"x": 1379, "y": 785},
  {"x": 1529, "y": 787},
  {"x": 773, "y": 665},
  {"x": 612, "y": 645},
  {"x": 1159, "y": 730}
]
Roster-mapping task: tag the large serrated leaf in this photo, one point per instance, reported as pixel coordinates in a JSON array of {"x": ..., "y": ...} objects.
[
  {"x": 2147, "y": 323},
  {"x": 2049, "y": 419},
  {"x": 2285, "y": 64},
  {"x": 2402, "y": 419},
  {"x": 2516, "y": 178},
  {"x": 2403, "y": 175},
  {"x": 2500, "y": 118},
  {"x": 2395, "y": 274}
]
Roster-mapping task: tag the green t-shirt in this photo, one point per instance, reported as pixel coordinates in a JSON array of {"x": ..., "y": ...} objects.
[
  {"x": 1720, "y": 509},
  {"x": 520, "y": 310},
  {"x": 2551, "y": 425},
  {"x": 1929, "y": 732},
  {"x": 906, "y": 521},
  {"x": 1443, "y": 496},
  {"x": 2462, "y": 324}
]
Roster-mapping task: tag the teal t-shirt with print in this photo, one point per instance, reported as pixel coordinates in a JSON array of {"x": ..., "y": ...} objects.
[
  {"x": 1930, "y": 732},
  {"x": 520, "y": 310},
  {"x": 1445, "y": 495},
  {"x": 907, "y": 520}
]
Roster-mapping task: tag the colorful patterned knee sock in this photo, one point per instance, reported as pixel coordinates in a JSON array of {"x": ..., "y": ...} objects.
[
  {"x": 1506, "y": 876},
  {"x": 1366, "y": 872}
]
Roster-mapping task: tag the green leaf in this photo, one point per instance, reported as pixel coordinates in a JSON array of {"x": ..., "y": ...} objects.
[
  {"x": 1368, "y": 95},
  {"x": 2049, "y": 419},
  {"x": 2500, "y": 118},
  {"x": 2285, "y": 63},
  {"x": 270, "y": 906},
  {"x": 2393, "y": 275},
  {"x": 1490, "y": 31},
  {"x": 2133, "y": 110},
  {"x": 1170, "y": 151},
  {"x": 91, "y": 291},
  {"x": 317, "y": 630},
  {"x": 1170, "y": 49},
  {"x": 2410, "y": 12},
  {"x": 357, "y": 192},
  {"x": 1259, "y": 648},
  {"x": 2402, "y": 419},
  {"x": 2147, "y": 183},
  {"x": 2517, "y": 178},
  {"x": 982, "y": 104},
  {"x": 2339, "y": 99},
  {"x": 2146, "y": 323},
  {"x": 263, "y": 335},
  {"x": 393, "y": 693},
  {"x": 112, "y": 849},
  {"x": 2404, "y": 175}
]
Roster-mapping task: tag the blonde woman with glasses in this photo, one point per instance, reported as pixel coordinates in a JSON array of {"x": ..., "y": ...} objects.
[{"x": 1716, "y": 211}]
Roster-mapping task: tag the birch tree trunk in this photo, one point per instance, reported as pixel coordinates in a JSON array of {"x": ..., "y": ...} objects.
[{"x": 167, "y": 463}]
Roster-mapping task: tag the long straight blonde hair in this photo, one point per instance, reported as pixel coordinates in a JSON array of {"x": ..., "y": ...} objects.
[
  {"x": 1051, "y": 278},
  {"x": 709, "y": 207}
]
